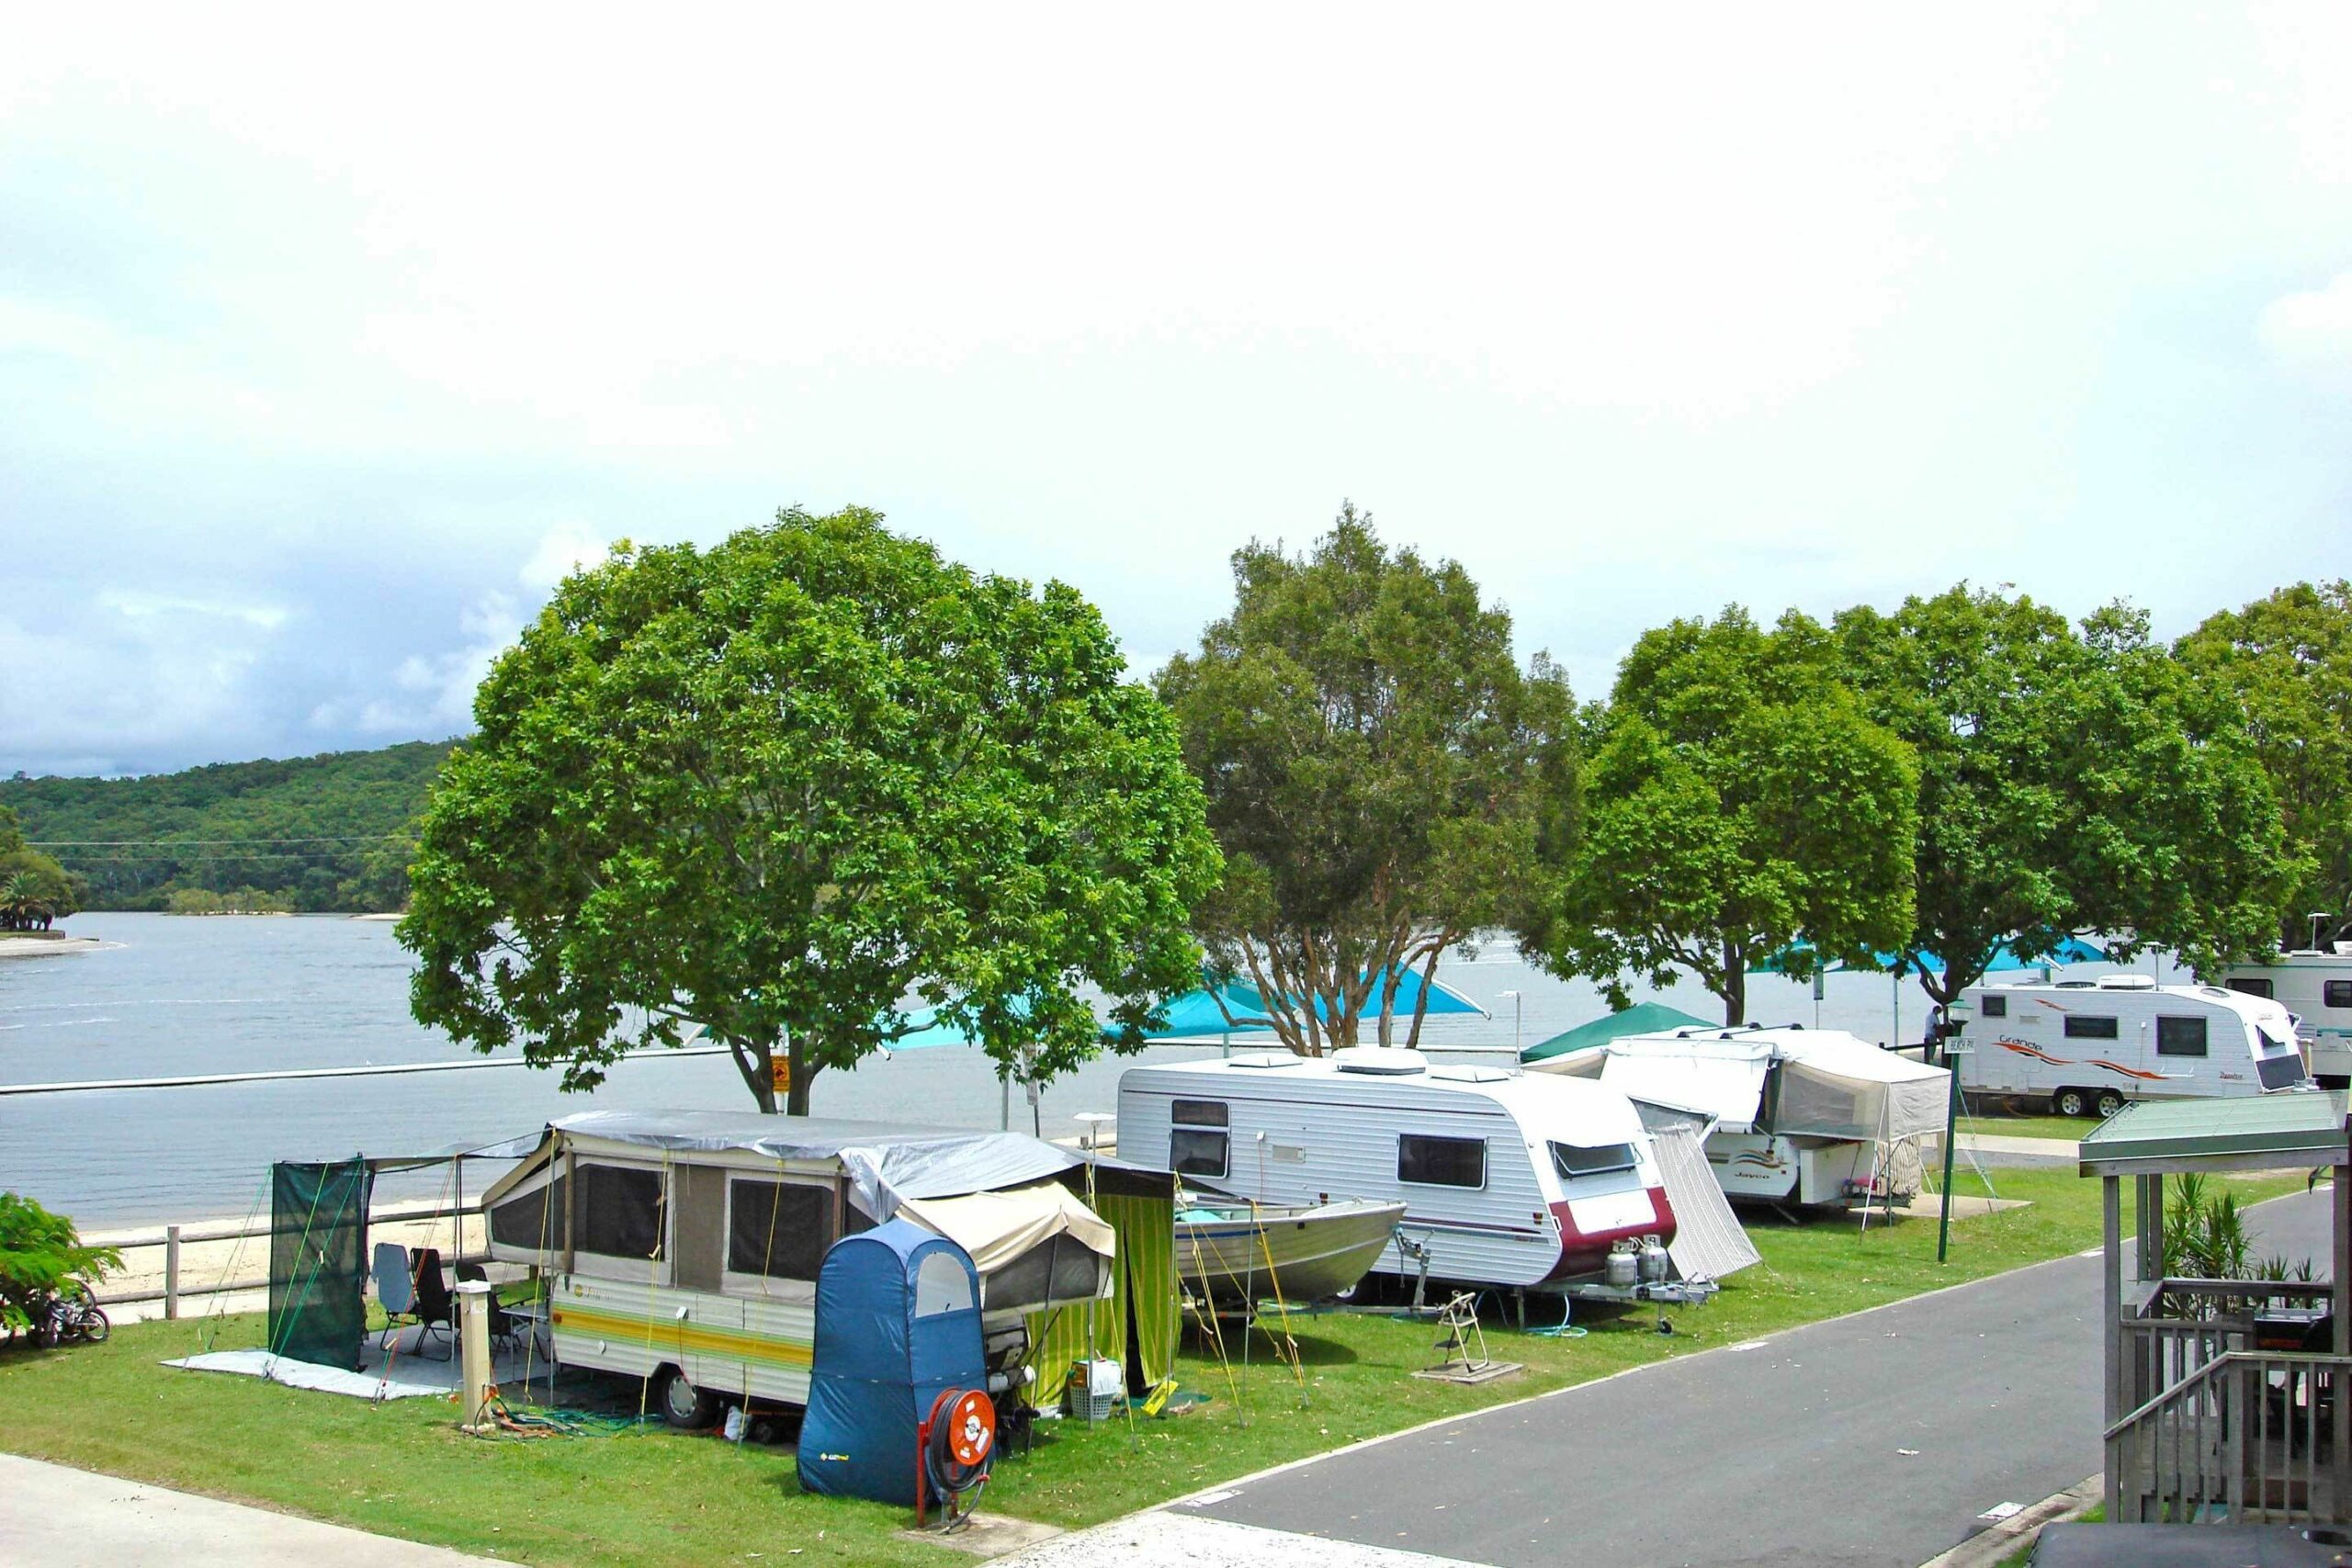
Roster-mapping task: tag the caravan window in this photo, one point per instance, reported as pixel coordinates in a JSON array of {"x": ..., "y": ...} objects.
[
  {"x": 2250, "y": 986},
  {"x": 620, "y": 1212},
  {"x": 1197, "y": 1142},
  {"x": 1572, "y": 1160},
  {"x": 778, "y": 1230},
  {"x": 533, "y": 1220},
  {"x": 2180, "y": 1037},
  {"x": 1993, "y": 1007},
  {"x": 2086, "y": 1026},
  {"x": 2335, "y": 994},
  {"x": 1440, "y": 1162}
]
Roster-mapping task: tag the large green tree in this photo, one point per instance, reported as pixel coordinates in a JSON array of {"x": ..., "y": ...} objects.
[
  {"x": 1379, "y": 773},
  {"x": 2072, "y": 782},
  {"x": 34, "y": 888},
  {"x": 770, "y": 788},
  {"x": 2287, "y": 661},
  {"x": 1738, "y": 806}
]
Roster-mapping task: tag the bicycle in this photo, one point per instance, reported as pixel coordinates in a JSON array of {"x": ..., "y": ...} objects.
[{"x": 70, "y": 1316}]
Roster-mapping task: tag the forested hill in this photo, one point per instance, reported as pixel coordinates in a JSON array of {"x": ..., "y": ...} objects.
[{"x": 327, "y": 832}]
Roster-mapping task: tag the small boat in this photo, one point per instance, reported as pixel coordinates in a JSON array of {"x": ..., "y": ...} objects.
[{"x": 1269, "y": 1252}]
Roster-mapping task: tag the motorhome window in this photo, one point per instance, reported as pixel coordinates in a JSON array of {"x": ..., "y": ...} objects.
[
  {"x": 2089, "y": 1026},
  {"x": 1993, "y": 1007},
  {"x": 2250, "y": 986},
  {"x": 2337, "y": 993},
  {"x": 620, "y": 1211},
  {"x": 1200, "y": 1114},
  {"x": 1440, "y": 1162},
  {"x": 778, "y": 1229},
  {"x": 1572, "y": 1160},
  {"x": 533, "y": 1220},
  {"x": 1192, "y": 1152},
  {"x": 2180, "y": 1037}
]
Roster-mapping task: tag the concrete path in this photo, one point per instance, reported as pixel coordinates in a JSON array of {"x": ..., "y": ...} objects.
[
  {"x": 1164, "y": 1539},
  {"x": 1871, "y": 1441},
  {"x": 71, "y": 1518}
]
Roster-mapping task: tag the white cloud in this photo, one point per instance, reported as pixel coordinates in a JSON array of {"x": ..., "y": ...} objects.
[
  {"x": 564, "y": 549},
  {"x": 2313, "y": 327},
  {"x": 140, "y": 606}
]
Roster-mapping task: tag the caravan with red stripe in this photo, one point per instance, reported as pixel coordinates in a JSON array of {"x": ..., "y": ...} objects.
[{"x": 2092, "y": 1046}]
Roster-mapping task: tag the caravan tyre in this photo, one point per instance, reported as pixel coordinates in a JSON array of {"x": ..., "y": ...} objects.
[
  {"x": 2070, "y": 1102},
  {"x": 2109, "y": 1102},
  {"x": 683, "y": 1406}
]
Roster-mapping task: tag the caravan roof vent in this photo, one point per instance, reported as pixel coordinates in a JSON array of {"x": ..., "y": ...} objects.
[
  {"x": 2126, "y": 983},
  {"x": 1264, "y": 1059},
  {"x": 1384, "y": 1061}
]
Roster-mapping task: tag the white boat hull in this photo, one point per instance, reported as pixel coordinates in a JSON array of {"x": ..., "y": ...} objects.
[{"x": 1290, "y": 1254}]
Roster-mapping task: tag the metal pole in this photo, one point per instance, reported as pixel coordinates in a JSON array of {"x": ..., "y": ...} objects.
[
  {"x": 171, "y": 1272},
  {"x": 1951, "y": 1126}
]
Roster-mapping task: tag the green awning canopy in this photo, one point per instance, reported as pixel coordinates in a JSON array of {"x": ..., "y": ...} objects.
[{"x": 1642, "y": 1018}]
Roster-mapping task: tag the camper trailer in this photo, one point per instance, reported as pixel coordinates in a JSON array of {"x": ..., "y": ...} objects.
[
  {"x": 1802, "y": 1117},
  {"x": 2316, "y": 988},
  {"x": 684, "y": 1246},
  {"x": 2093, "y": 1046},
  {"x": 1508, "y": 1179}
]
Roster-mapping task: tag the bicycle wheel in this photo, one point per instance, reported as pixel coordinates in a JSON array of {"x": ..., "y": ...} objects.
[{"x": 95, "y": 1326}]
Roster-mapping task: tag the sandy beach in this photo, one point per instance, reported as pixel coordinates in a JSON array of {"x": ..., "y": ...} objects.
[
  {"x": 21, "y": 944},
  {"x": 233, "y": 1275}
]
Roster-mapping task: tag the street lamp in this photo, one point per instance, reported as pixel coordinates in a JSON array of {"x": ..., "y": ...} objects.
[{"x": 1515, "y": 1000}]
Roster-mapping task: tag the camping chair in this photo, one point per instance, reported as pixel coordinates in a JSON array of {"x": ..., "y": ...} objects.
[
  {"x": 395, "y": 1291},
  {"x": 506, "y": 1329},
  {"x": 436, "y": 1307}
]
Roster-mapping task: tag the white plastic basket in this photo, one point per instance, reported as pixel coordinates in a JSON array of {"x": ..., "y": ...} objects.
[{"x": 1094, "y": 1390}]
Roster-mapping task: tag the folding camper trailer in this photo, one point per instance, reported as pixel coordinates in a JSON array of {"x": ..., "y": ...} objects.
[
  {"x": 685, "y": 1245},
  {"x": 2090, "y": 1046},
  {"x": 1810, "y": 1117},
  {"x": 1507, "y": 1178}
]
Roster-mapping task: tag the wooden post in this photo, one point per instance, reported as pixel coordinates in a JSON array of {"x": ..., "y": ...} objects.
[
  {"x": 171, "y": 1272},
  {"x": 2111, "y": 1205}
]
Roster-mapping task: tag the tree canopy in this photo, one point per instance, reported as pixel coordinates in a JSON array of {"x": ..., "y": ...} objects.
[
  {"x": 1378, "y": 772},
  {"x": 1738, "y": 806},
  {"x": 773, "y": 788},
  {"x": 34, "y": 888},
  {"x": 2287, "y": 661},
  {"x": 2070, "y": 782}
]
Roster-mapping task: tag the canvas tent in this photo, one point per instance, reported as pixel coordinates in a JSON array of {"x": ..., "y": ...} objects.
[{"x": 1798, "y": 1082}]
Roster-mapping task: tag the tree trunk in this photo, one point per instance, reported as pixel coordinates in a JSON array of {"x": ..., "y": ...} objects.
[
  {"x": 1429, "y": 977},
  {"x": 796, "y": 1099},
  {"x": 752, "y": 1060},
  {"x": 1734, "y": 985}
]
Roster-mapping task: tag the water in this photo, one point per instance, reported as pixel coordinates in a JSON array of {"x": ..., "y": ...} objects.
[{"x": 228, "y": 994}]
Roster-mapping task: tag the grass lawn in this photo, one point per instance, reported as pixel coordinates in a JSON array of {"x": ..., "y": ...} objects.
[
  {"x": 2073, "y": 1129},
  {"x": 650, "y": 1497}
]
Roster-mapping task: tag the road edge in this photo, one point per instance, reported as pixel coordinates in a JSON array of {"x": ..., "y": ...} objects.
[{"x": 1993, "y": 1545}]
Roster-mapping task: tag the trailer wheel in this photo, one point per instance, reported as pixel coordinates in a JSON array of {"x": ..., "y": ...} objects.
[
  {"x": 2109, "y": 1102},
  {"x": 683, "y": 1406},
  {"x": 2070, "y": 1102}
]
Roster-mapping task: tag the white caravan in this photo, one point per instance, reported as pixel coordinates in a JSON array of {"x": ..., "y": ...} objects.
[
  {"x": 1809, "y": 1117},
  {"x": 2316, "y": 987},
  {"x": 1508, "y": 1179},
  {"x": 684, "y": 1246},
  {"x": 2094, "y": 1046}
]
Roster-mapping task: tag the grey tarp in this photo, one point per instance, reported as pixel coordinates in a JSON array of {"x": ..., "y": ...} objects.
[
  {"x": 1709, "y": 1241},
  {"x": 886, "y": 1162}
]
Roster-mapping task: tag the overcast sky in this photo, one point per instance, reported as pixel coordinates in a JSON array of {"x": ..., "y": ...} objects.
[{"x": 327, "y": 341}]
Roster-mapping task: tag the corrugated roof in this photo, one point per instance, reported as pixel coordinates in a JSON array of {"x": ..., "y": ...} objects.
[{"x": 2300, "y": 1127}]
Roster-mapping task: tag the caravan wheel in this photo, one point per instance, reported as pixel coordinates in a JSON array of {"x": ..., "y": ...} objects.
[
  {"x": 2109, "y": 1102},
  {"x": 2070, "y": 1102},
  {"x": 683, "y": 1406}
]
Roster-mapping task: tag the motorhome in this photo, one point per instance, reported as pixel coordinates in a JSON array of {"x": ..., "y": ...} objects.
[
  {"x": 1507, "y": 1178},
  {"x": 683, "y": 1246},
  {"x": 2091, "y": 1047},
  {"x": 1802, "y": 1117},
  {"x": 2316, "y": 988}
]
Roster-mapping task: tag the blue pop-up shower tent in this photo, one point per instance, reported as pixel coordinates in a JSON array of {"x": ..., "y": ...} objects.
[{"x": 898, "y": 1321}]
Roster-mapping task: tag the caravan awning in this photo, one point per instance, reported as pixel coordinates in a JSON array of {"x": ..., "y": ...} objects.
[{"x": 997, "y": 1227}]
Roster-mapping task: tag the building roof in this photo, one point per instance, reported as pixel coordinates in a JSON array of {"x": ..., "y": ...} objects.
[{"x": 2301, "y": 1127}]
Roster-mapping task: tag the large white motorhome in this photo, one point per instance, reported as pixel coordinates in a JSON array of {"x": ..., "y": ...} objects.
[
  {"x": 1508, "y": 1179},
  {"x": 2316, "y": 987},
  {"x": 1812, "y": 1118},
  {"x": 684, "y": 1246},
  {"x": 2093, "y": 1046}
]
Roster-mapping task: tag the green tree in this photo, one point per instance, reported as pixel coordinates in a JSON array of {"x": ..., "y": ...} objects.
[
  {"x": 2287, "y": 661},
  {"x": 1378, "y": 772},
  {"x": 1738, "y": 802},
  {"x": 34, "y": 889},
  {"x": 2071, "y": 783},
  {"x": 771, "y": 788}
]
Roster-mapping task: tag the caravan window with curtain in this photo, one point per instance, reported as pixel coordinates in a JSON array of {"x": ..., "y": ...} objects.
[{"x": 620, "y": 1212}]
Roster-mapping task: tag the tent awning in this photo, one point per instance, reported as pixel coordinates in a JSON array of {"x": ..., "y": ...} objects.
[{"x": 997, "y": 1227}]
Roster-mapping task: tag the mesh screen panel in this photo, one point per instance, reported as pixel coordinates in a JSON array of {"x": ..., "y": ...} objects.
[{"x": 318, "y": 1266}]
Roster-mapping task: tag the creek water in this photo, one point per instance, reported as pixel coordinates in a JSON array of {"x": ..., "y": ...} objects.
[{"x": 228, "y": 994}]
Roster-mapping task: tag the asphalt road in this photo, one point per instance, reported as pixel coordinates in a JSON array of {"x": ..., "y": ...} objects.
[{"x": 1873, "y": 1441}]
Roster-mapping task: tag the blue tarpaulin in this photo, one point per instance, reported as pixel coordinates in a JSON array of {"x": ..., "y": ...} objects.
[{"x": 898, "y": 1321}]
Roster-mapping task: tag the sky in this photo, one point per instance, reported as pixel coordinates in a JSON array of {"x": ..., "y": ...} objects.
[{"x": 327, "y": 345}]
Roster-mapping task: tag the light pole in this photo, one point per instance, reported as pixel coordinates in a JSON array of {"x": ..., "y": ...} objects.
[
  {"x": 1955, "y": 1020},
  {"x": 1515, "y": 1000}
]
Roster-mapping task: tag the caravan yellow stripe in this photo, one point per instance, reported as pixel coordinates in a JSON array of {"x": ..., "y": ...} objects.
[{"x": 697, "y": 1338}]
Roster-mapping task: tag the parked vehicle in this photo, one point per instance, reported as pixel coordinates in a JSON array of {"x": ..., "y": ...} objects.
[
  {"x": 1507, "y": 1178},
  {"x": 1802, "y": 1117},
  {"x": 1241, "y": 1252},
  {"x": 2094, "y": 1046},
  {"x": 684, "y": 1246},
  {"x": 2316, "y": 988}
]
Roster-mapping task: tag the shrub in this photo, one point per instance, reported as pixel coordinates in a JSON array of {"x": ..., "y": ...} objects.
[{"x": 39, "y": 1253}]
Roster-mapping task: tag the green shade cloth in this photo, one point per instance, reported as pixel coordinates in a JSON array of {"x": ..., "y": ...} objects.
[
  {"x": 1642, "y": 1018},
  {"x": 318, "y": 1261}
]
